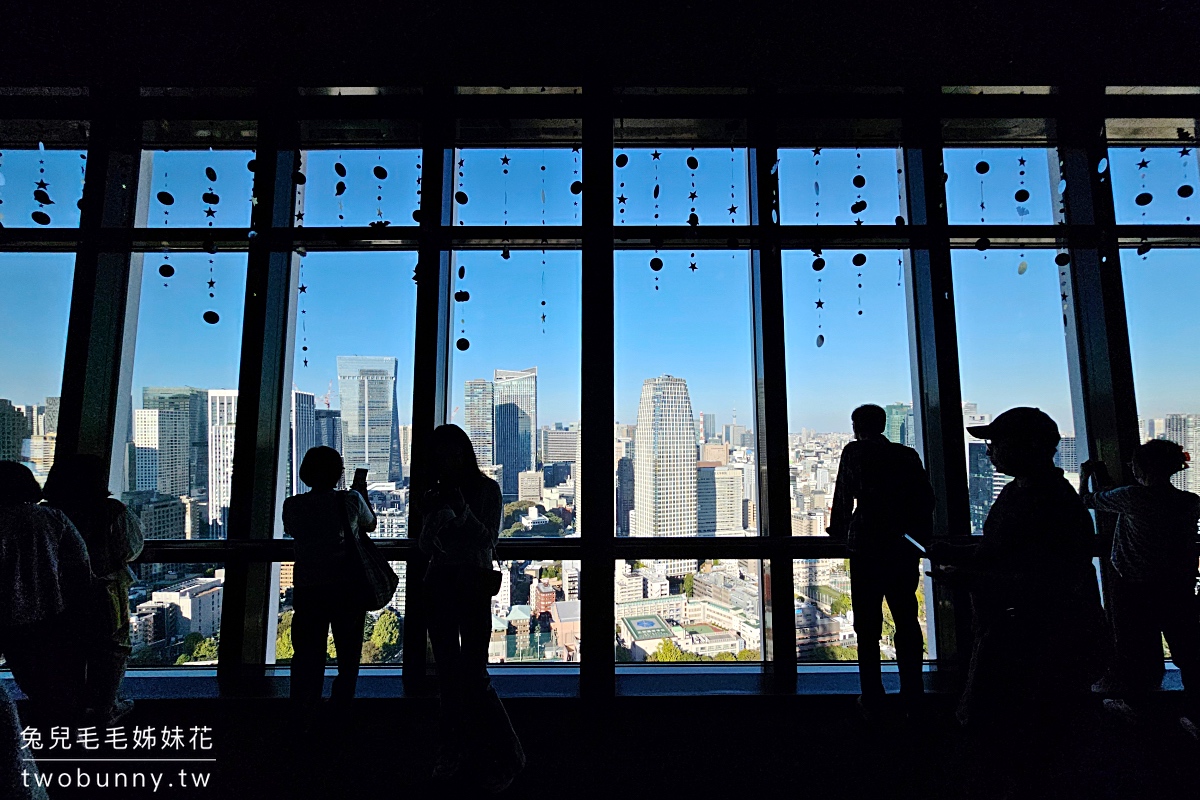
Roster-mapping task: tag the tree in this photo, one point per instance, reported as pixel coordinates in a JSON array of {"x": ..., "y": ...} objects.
[
  {"x": 724, "y": 657},
  {"x": 371, "y": 654},
  {"x": 205, "y": 651},
  {"x": 668, "y": 651},
  {"x": 840, "y": 605},
  {"x": 748, "y": 655},
  {"x": 689, "y": 584},
  {"x": 368, "y": 627},
  {"x": 388, "y": 633},
  {"x": 835, "y": 652},
  {"x": 514, "y": 510},
  {"x": 191, "y": 641},
  {"x": 623, "y": 654}
]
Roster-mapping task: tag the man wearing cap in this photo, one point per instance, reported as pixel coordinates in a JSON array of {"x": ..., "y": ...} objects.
[
  {"x": 882, "y": 494},
  {"x": 1033, "y": 589}
]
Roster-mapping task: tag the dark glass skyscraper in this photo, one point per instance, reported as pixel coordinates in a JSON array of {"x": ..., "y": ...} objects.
[
  {"x": 514, "y": 424},
  {"x": 370, "y": 426}
]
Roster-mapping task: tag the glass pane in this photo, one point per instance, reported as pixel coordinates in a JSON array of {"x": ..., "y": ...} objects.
[
  {"x": 352, "y": 371},
  {"x": 516, "y": 380},
  {"x": 41, "y": 188},
  {"x": 383, "y": 630},
  {"x": 677, "y": 366},
  {"x": 841, "y": 186},
  {"x": 359, "y": 187},
  {"x": 1006, "y": 186},
  {"x": 680, "y": 186},
  {"x": 679, "y": 609},
  {"x": 518, "y": 186},
  {"x": 34, "y": 308},
  {"x": 179, "y": 436},
  {"x": 1012, "y": 352},
  {"x": 535, "y": 615},
  {"x": 1166, "y": 370},
  {"x": 846, "y": 325},
  {"x": 1154, "y": 184},
  {"x": 197, "y": 188},
  {"x": 825, "y": 612},
  {"x": 174, "y": 609}
]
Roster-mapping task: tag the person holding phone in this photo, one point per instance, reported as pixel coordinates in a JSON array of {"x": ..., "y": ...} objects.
[
  {"x": 324, "y": 592},
  {"x": 460, "y": 523}
]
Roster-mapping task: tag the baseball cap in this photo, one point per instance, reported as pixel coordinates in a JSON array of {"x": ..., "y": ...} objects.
[{"x": 1021, "y": 424}]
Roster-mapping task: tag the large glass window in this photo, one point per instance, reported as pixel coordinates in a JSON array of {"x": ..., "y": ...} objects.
[
  {"x": 1011, "y": 316},
  {"x": 1155, "y": 185},
  {"x": 1003, "y": 185},
  {"x": 518, "y": 186},
  {"x": 841, "y": 186},
  {"x": 1160, "y": 287},
  {"x": 516, "y": 380},
  {"x": 197, "y": 188},
  {"x": 174, "y": 609},
  {"x": 680, "y": 609},
  {"x": 179, "y": 435},
  {"x": 34, "y": 308},
  {"x": 846, "y": 344},
  {"x": 349, "y": 187},
  {"x": 535, "y": 615},
  {"x": 678, "y": 186},
  {"x": 41, "y": 187},
  {"x": 685, "y": 465}
]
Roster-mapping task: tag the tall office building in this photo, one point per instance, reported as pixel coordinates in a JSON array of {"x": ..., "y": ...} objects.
[
  {"x": 733, "y": 433},
  {"x": 329, "y": 428},
  {"x": 624, "y": 494},
  {"x": 303, "y": 437},
  {"x": 52, "y": 407},
  {"x": 708, "y": 426},
  {"x": 194, "y": 404},
  {"x": 14, "y": 430},
  {"x": 370, "y": 427},
  {"x": 1067, "y": 457},
  {"x": 718, "y": 499},
  {"x": 899, "y": 422},
  {"x": 980, "y": 479},
  {"x": 664, "y": 471},
  {"x": 479, "y": 412},
  {"x": 405, "y": 450},
  {"x": 557, "y": 445},
  {"x": 1184, "y": 430},
  {"x": 222, "y": 419},
  {"x": 162, "y": 447},
  {"x": 514, "y": 424}
]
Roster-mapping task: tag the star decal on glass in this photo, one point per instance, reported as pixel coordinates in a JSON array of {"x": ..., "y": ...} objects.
[
  {"x": 816, "y": 151},
  {"x": 1186, "y": 151},
  {"x": 42, "y": 185},
  {"x": 299, "y": 216},
  {"x": 1143, "y": 164},
  {"x": 692, "y": 196},
  {"x": 211, "y": 283},
  {"x": 692, "y": 266},
  {"x": 820, "y": 304},
  {"x": 303, "y": 289},
  {"x": 1020, "y": 162},
  {"x": 461, "y": 162},
  {"x": 503, "y": 160},
  {"x": 733, "y": 209},
  {"x": 306, "y": 362},
  {"x": 622, "y": 199},
  {"x": 655, "y": 155},
  {"x": 209, "y": 212}
]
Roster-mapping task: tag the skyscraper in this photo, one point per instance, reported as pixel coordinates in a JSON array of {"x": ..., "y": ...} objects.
[
  {"x": 980, "y": 477},
  {"x": 14, "y": 430},
  {"x": 479, "y": 411},
  {"x": 194, "y": 404},
  {"x": 1184, "y": 430},
  {"x": 370, "y": 427},
  {"x": 718, "y": 499},
  {"x": 329, "y": 428},
  {"x": 405, "y": 450},
  {"x": 624, "y": 494},
  {"x": 303, "y": 437},
  {"x": 222, "y": 419},
  {"x": 708, "y": 425},
  {"x": 162, "y": 448},
  {"x": 664, "y": 474},
  {"x": 899, "y": 416},
  {"x": 514, "y": 424}
]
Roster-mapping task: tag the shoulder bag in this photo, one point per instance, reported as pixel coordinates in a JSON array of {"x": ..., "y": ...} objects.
[{"x": 376, "y": 578}]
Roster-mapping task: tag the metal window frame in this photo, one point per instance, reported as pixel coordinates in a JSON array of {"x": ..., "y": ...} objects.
[{"x": 109, "y": 246}]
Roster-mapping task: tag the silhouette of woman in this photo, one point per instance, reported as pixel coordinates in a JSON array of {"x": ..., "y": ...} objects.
[{"x": 460, "y": 526}]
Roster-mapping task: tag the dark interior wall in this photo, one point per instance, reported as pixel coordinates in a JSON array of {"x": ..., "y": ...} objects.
[{"x": 697, "y": 43}]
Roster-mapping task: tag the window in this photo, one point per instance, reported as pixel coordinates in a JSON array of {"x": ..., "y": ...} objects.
[
  {"x": 351, "y": 187},
  {"x": 179, "y": 436},
  {"x": 685, "y": 465},
  {"x": 679, "y": 609},
  {"x": 174, "y": 609},
  {"x": 1009, "y": 307},
  {"x": 678, "y": 186},
  {"x": 34, "y": 307},
  {"x": 847, "y": 345},
  {"x": 41, "y": 187},
  {"x": 1155, "y": 185},
  {"x": 516, "y": 380},
  {"x": 197, "y": 188},
  {"x": 518, "y": 186},
  {"x": 536, "y": 614},
  {"x": 1008, "y": 186},
  {"x": 841, "y": 186}
]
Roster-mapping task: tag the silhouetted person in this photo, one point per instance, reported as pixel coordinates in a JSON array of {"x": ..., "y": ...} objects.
[
  {"x": 1152, "y": 593},
  {"x": 1034, "y": 595},
  {"x": 326, "y": 589},
  {"x": 44, "y": 581},
  {"x": 883, "y": 493},
  {"x": 18, "y": 777},
  {"x": 460, "y": 526},
  {"x": 78, "y": 486}
]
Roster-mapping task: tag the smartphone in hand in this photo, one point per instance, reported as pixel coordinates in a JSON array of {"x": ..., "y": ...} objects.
[{"x": 360, "y": 482}]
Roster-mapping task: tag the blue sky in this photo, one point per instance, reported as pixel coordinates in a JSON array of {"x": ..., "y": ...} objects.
[{"x": 696, "y": 324}]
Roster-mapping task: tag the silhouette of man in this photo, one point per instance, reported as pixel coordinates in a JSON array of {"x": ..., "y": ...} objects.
[
  {"x": 882, "y": 493},
  {"x": 1031, "y": 581}
]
